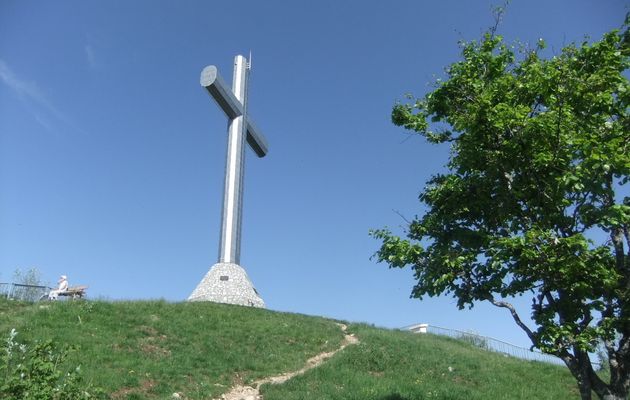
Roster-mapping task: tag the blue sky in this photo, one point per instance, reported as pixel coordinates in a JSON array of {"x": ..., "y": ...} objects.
[{"x": 112, "y": 155}]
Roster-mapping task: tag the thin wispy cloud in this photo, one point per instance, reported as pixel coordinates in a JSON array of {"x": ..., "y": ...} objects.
[
  {"x": 39, "y": 117},
  {"x": 22, "y": 88},
  {"x": 36, "y": 102},
  {"x": 90, "y": 55}
]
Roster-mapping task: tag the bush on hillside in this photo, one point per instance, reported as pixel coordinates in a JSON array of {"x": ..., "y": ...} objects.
[{"x": 36, "y": 372}]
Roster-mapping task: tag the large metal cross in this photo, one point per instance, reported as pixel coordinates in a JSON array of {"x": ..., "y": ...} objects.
[{"x": 240, "y": 129}]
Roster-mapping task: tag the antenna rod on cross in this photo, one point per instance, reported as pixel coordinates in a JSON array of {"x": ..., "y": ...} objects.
[{"x": 245, "y": 91}]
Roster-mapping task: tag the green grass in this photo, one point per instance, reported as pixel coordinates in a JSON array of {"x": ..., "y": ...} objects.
[
  {"x": 151, "y": 349},
  {"x": 395, "y": 365}
]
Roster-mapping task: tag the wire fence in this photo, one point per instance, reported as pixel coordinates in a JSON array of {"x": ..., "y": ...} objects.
[
  {"x": 488, "y": 343},
  {"x": 19, "y": 291}
]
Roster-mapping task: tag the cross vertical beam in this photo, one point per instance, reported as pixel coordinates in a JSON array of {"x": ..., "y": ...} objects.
[
  {"x": 240, "y": 130},
  {"x": 231, "y": 221}
]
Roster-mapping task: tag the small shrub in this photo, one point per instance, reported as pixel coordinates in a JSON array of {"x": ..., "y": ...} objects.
[
  {"x": 31, "y": 277},
  {"x": 475, "y": 340},
  {"x": 35, "y": 373}
]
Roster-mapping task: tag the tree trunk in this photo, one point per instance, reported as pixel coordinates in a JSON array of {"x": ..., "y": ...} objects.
[
  {"x": 585, "y": 389},
  {"x": 613, "y": 397},
  {"x": 587, "y": 386},
  {"x": 607, "y": 392},
  {"x": 587, "y": 379},
  {"x": 616, "y": 390}
]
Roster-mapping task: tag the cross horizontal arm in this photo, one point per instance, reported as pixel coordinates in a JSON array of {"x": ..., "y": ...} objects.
[
  {"x": 221, "y": 92},
  {"x": 256, "y": 140},
  {"x": 231, "y": 106}
]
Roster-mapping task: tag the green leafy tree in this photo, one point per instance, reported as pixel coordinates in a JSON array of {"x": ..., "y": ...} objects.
[{"x": 533, "y": 199}]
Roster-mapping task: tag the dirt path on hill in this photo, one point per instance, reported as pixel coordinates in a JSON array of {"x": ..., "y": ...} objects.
[{"x": 252, "y": 392}]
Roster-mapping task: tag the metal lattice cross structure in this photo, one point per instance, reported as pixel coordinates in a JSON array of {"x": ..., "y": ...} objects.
[{"x": 227, "y": 282}]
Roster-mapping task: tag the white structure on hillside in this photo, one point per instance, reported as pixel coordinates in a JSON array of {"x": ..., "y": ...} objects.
[{"x": 227, "y": 281}]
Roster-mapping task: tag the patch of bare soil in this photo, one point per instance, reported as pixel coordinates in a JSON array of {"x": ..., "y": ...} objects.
[{"x": 145, "y": 386}]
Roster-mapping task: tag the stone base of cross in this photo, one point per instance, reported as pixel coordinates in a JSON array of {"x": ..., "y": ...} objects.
[{"x": 227, "y": 281}]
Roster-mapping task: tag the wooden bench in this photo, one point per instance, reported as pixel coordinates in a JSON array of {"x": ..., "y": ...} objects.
[{"x": 76, "y": 292}]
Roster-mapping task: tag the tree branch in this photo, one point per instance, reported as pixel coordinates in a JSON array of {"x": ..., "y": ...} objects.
[
  {"x": 402, "y": 216},
  {"x": 576, "y": 211},
  {"x": 515, "y": 316},
  {"x": 611, "y": 352}
]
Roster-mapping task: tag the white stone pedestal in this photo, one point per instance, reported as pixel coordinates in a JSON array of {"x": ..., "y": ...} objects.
[{"x": 227, "y": 283}]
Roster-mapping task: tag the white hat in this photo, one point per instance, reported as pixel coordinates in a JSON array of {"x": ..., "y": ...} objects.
[{"x": 64, "y": 277}]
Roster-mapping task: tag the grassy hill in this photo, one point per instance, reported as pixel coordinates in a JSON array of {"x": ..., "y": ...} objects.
[{"x": 152, "y": 349}]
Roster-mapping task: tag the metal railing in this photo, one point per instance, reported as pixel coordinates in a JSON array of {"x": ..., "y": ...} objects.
[
  {"x": 487, "y": 343},
  {"x": 19, "y": 291}
]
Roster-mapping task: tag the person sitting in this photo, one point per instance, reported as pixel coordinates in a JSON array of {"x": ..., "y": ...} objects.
[{"x": 63, "y": 287}]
